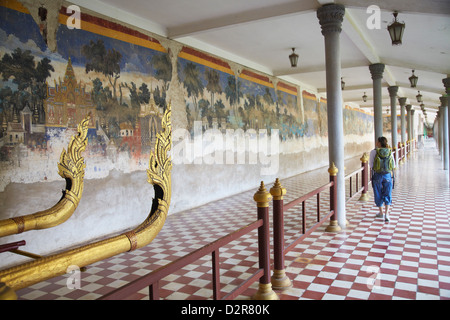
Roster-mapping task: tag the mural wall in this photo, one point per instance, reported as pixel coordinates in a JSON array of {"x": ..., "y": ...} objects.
[
  {"x": 44, "y": 94},
  {"x": 52, "y": 77}
]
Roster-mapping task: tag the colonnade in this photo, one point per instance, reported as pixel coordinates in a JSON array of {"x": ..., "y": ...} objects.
[
  {"x": 442, "y": 122},
  {"x": 330, "y": 18}
]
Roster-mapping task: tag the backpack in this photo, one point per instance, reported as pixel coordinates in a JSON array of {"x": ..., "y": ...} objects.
[{"x": 383, "y": 162}]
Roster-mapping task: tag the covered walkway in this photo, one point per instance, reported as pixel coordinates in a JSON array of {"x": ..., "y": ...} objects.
[{"x": 406, "y": 258}]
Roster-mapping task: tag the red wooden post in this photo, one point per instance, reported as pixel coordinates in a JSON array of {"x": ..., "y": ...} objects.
[
  {"x": 279, "y": 279},
  {"x": 394, "y": 153},
  {"x": 365, "y": 177},
  {"x": 333, "y": 226},
  {"x": 216, "y": 274},
  {"x": 12, "y": 246},
  {"x": 405, "y": 150},
  {"x": 154, "y": 291},
  {"x": 265, "y": 292}
]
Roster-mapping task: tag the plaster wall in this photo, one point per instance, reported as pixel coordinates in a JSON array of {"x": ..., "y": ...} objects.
[{"x": 117, "y": 196}]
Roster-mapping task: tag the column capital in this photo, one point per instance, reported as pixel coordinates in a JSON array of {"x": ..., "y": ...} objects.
[
  {"x": 446, "y": 83},
  {"x": 408, "y": 107},
  {"x": 412, "y": 111},
  {"x": 393, "y": 91},
  {"x": 330, "y": 17},
  {"x": 444, "y": 101},
  {"x": 402, "y": 101},
  {"x": 376, "y": 70}
]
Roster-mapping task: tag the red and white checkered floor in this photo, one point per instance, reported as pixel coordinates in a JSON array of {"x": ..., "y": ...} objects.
[{"x": 405, "y": 258}]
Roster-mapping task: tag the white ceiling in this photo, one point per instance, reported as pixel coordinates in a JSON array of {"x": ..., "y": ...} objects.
[{"x": 260, "y": 34}]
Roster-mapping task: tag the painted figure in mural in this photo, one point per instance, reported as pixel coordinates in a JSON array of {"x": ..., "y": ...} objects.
[{"x": 382, "y": 164}]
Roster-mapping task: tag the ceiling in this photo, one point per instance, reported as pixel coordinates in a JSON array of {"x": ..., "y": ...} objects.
[{"x": 260, "y": 34}]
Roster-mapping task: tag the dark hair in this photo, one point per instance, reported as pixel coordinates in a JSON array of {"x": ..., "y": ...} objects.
[{"x": 383, "y": 141}]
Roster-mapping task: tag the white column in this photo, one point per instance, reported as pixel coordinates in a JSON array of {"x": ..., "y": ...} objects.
[
  {"x": 393, "y": 95},
  {"x": 446, "y": 83},
  {"x": 376, "y": 70},
  {"x": 445, "y": 139},
  {"x": 330, "y": 18},
  {"x": 402, "y": 102},
  {"x": 408, "y": 121}
]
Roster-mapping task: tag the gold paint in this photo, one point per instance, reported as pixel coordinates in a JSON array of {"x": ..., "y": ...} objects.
[
  {"x": 364, "y": 197},
  {"x": 333, "y": 226},
  {"x": 333, "y": 170},
  {"x": 277, "y": 191},
  {"x": 26, "y": 254},
  {"x": 159, "y": 174},
  {"x": 262, "y": 197},
  {"x": 6, "y": 293},
  {"x": 365, "y": 157},
  {"x": 265, "y": 292},
  {"x": 280, "y": 281},
  {"x": 70, "y": 167}
]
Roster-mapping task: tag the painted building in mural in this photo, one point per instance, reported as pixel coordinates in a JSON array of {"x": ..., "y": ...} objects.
[
  {"x": 125, "y": 78},
  {"x": 121, "y": 77},
  {"x": 119, "y": 80},
  {"x": 68, "y": 102}
]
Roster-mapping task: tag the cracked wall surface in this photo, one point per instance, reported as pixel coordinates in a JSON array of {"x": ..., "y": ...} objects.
[{"x": 116, "y": 188}]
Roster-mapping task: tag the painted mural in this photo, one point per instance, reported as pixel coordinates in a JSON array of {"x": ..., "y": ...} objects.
[
  {"x": 44, "y": 94},
  {"x": 120, "y": 77},
  {"x": 357, "y": 122},
  {"x": 311, "y": 108},
  {"x": 221, "y": 100}
]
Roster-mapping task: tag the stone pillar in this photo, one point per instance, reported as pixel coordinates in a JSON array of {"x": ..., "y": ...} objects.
[
  {"x": 393, "y": 95},
  {"x": 376, "y": 70},
  {"x": 408, "y": 121},
  {"x": 413, "y": 132},
  {"x": 330, "y": 18},
  {"x": 446, "y": 83},
  {"x": 402, "y": 102},
  {"x": 444, "y": 130},
  {"x": 437, "y": 131}
]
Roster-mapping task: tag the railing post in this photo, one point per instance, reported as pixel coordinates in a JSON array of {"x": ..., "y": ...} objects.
[
  {"x": 365, "y": 177},
  {"x": 395, "y": 154},
  {"x": 279, "y": 279},
  {"x": 265, "y": 292},
  {"x": 405, "y": 146},
  {"x": 333, "y": 226}
]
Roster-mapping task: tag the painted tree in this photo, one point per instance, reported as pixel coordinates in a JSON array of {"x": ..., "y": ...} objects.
[
  {"x": 232, "y": 91},
  {"x": 192, "y": 82},
  {"x": 104, "y": 61},
  {"x": 213, "y": 85},
  {"x": 163, "y": 68},
  {"x": 29, "y": 76}
]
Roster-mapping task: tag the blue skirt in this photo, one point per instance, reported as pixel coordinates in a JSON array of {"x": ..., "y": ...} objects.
[{"x": 382, "y": 188}]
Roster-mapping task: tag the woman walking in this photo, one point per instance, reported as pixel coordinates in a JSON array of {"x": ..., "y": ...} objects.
[{"x": 382, "y": 164}]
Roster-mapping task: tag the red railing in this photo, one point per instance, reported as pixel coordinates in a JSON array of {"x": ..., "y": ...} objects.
[
  {"x": 405, "y": 149},
  {"x": 279, "y": 278},
  {"x": 152, "y": 279},
  {"x": 262, "y": 198},
  {"x": 11, "y": 246},
  {"x": 329, "y": 186},
  {"x": 355, "y": 174}
]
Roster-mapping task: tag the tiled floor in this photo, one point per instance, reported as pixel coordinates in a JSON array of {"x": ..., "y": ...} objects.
[{"x": 406, "y": 258}]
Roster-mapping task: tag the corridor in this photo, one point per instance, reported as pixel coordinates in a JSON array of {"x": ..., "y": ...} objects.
[{"x": 406, "y": 258}]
